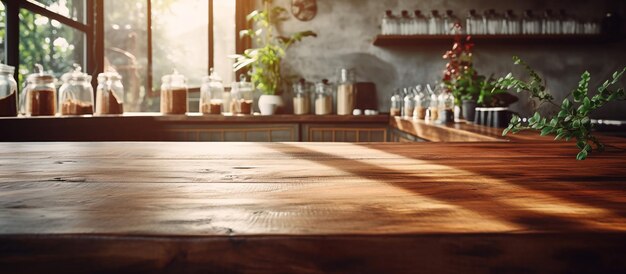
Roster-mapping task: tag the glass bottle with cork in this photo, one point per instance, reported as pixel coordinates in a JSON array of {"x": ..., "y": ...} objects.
[
  {"x": 39, "y": 95},
  {"x": 173, "y": 94},
  {"x": 76, "y": 93},
  {"x": 346, "y": 92},
  {"x": 8, "y": 92}
]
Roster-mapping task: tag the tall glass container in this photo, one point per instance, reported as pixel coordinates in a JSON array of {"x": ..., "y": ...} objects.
[
  {"x": 433, "y": 107},
  {"x": 109, "y": 94},
  {"x": 173, "y": 94},
  {"x": 446, "y": 107},
  {"x": 421, "y": 103},
  {"x": 346, "y": 92},
  {"x": 211, "y": 94},
  {"x": 409, "y": 103},
  {"x": 421, "y": 22},
  {"x": 396, "y": 103},
  {"x": 435, "y": 23},
  {"x": 39, "y": 96},
  {"x": 8, "y": 92},
  {"x": 76, "y": 93}
]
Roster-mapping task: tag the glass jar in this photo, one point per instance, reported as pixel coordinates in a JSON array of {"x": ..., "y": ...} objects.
[
  {"x": 346, "y": 92},
  {"x": 323, "y": 98},
  {"x": 433, "y": 106},
  {"x": 301, "y": 98},
  {"x": 76, "y": 93},
  {"x": 39, "y": 95},
  {"x": 173, "y": 94},
  {"x": 446, "y": 107},
  {"x": 451, "y": 23},
  {"x": 421, "y": 103},
  {"x": 408, "y": 103},
  {"x": 405, "y": 23},
  {"x": 109, "y": 94},
  {"x": 242, "y": 96},
  {"x": 211, "y": 94},
  {"x": 388, "y": 23},
  {"x": 8, "y": 92},
  {"x": 513, "y": 24},
  {"x": 396, "y": 103}
]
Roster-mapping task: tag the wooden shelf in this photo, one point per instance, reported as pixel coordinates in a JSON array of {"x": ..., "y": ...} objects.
[{"x": 414, "y": 40}]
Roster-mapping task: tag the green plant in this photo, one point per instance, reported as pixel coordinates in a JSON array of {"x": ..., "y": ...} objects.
[
  {"x": 264, "y": 62},
  {"x": 572, "y": 120}
]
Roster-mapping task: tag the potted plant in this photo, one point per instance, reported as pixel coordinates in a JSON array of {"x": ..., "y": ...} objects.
[
  {"x": 264, "y": 62},
  {"x": 460, "y": 78}
]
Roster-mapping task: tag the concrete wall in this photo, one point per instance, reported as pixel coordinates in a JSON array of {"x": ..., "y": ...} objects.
[{"x": 346, "y": 29}]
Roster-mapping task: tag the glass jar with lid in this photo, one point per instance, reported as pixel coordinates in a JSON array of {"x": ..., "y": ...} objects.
[
  {"x": 346, "y": 92},
  {"x": 242, "y": 96},
  {"x": 421, "y": 103},
  {"x": 396, "y": 103},
  {"x": 433, "y": 106},
  {"x": 446, "y": 107},
  {"x": 323, "y": 98},
  {"x": 8, "y": 92},
  {"x": 109, "y": 94},
  {"x": 409, "y": 103},
  {"x": 76, "y": 93},
  {"x": 301, "y": 98},
  {"x": 173, "y": 94},
  {"x": 211, "y": 94},
  {"x": 39, "y": 95}
]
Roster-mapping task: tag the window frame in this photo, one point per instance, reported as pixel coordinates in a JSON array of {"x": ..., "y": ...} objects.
[{"x": 93, "y": 28}]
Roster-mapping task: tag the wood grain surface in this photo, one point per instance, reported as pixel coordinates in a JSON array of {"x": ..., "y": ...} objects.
[{"x": 493, "y": 207}]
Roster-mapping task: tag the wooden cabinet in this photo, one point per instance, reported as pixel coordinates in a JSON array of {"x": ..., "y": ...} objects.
[
  {"x": 234, "y": 133},
  {"x": 344, "y": 133}
]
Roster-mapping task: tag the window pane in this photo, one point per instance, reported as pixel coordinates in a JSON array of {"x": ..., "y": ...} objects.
[
  {"x": 3, "y": 32},
  {"x": 126, "y": 50},
  {"x": 54, "y": 45},
  {"x": 74, "y": 9},
  {"x": 224, "y": 33},
  {"x": 180, "y": 39}
]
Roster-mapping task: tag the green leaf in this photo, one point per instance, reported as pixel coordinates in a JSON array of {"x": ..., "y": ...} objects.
[
  {"x": 560, "y": 136},
  {"x": 506, "y": 130},
  {"x": 546, "y": 130},
  {"x": 582, "y": 155}
]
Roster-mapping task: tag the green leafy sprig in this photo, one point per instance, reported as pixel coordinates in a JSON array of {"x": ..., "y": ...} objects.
[{"x": 572, "y": 120}]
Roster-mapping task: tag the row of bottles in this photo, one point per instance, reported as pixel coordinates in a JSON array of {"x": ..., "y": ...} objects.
[
  {"x": 489, "y": 22},
  {"x": 345, "y": 97},
  {"x": 428, "y": 103}
]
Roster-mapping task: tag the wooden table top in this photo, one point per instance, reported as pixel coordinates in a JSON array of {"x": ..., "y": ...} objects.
[
  {"x": 311, "y": 208},
  {"x": 308, "y": 188}
]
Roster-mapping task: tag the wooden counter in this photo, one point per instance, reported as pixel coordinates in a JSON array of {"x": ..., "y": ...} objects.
[
  {"x": 492, "y": 207},
  {"x": 196, "y": 127}
]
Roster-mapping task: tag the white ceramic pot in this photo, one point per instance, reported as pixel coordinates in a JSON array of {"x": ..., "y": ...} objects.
[{"x": 269, "y": 103}]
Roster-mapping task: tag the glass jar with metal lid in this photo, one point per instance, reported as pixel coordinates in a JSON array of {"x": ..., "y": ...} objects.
[
  {"x": 76, "y": 93},
  {"x": 109, "y": 94},
  {"x": 173, "y": 94},
  {"x": 8, "y": 92},
  {"x": 39, "y": 95}
]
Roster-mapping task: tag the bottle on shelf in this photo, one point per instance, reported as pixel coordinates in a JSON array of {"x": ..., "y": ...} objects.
[
  {"x": 174, "y": 94},
  {"x": 76, "y": 93},
  {"x": 530, "y": 23},
  {"x": 301, "y": 97},
  {"x": 421, "y": 22},
  {"x": 474, "y": 23},
  {"x": 433, "y": 107},
  {"x": 452, "y": 23},
  {"x": 406, "y": 23},
  {"x": 549, "y": 23},
  {"x": 446, "y": 107},
  {"x": 109, "y": 94},
  {"x": 346, "y": 92},
  {"x": 494, "y": 22},
  {"x": 435, "y": 23},
  {"x": 323, "y": 98},
  {"x": 512, "y": 23},
  {"x": 568, "y": 23}
]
